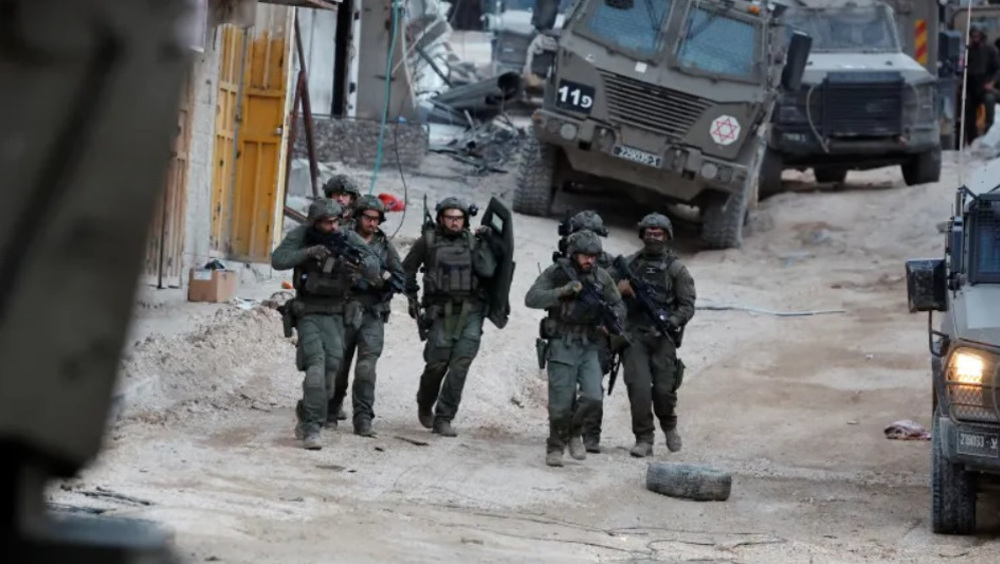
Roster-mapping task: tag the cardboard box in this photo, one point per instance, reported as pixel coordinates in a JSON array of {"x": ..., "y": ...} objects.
[{"x": 212, "y": 285}]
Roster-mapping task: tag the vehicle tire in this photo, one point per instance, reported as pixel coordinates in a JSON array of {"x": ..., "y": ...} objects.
[
  {"x": 689, "y": 481},
  {"x": 535, "y": 182},
  {"x": 923, "y": 168},
  {"x": 724, "y": 217},
  {"x": 949, "y": 142},
  {"x": 770, "y": 173},
  {"x": 833, "y": 175},
  {"x": 953, "y": 491}
]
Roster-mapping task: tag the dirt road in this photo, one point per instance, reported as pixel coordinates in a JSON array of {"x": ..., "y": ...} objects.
[{"x": 795, "y": 407}]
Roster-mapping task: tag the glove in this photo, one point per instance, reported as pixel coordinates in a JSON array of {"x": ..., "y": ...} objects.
[
  {"x": 571, "y": 288},
  {"x": 413, "y": 309},
  {"x": 625, "y": 288},
  {"x": 318, "y": 252}
]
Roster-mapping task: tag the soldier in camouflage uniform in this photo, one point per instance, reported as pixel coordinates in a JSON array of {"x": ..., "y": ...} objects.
[
  {"x": 343, "y": 190},
  {"x": 455, "y": 302},
  {"x": 575, "y": 335},
  {"x": 322, "y": 280},
  {"x": 653, "y": 373},
  {"x": 590, "y": 220},
  {"x": 367, "y": 336}
]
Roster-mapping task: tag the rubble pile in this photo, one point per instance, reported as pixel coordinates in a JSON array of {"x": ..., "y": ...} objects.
[
  {"x": 462, "y": 110},
  {"x": 488, "y": 146}
]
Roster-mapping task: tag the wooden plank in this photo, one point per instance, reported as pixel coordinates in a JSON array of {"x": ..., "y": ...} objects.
[{"x": 165, "y": 240}]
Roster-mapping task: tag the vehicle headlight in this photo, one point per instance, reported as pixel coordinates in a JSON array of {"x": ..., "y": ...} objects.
[
  {"x": 920, "y": 101},
  {"x": 967, "y": 368},
  {"x": 790, "y": 114},
  {"x": 971, "y": 385}
]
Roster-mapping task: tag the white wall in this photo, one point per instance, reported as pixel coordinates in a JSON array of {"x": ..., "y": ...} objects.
[
  {"x": 318, "y": 29},
  {"x": 198, "y": 220}
]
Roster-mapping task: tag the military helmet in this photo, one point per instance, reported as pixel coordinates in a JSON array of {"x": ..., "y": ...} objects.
[
  {"x": 656, "y": 220},
  {"x": 341, "y": 184},
  {"x": 369, "y": 202},
  {"x": 455, "y": 203},
  {"x": 323, "y": 209},
  {"x": 588, "y": 219},
  {"x": 586, "y": 242}
]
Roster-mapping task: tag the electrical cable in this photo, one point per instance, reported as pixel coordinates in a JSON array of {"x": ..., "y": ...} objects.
[
  {"x": 385, "y": 107},
  {"x": 402, "y": 178}
]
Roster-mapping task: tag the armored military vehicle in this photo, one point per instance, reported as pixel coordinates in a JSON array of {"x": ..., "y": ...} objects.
[
  {"x": 965, "y": 352},
  {"x": 662, "y": 101},
  {"x": 863, "y": 103}
]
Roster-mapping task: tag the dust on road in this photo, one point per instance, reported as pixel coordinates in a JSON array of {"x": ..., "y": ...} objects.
[{"x": 795, "y": 407}]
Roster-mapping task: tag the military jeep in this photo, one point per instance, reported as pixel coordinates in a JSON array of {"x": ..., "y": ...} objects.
[
  {"x": 863, "y": 103},
  {"x": 662, "y": 101},
  {"x": 965, "y": 354}
]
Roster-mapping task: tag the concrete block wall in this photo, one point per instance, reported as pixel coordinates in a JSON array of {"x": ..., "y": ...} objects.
[
  {"x": 198, "y": 218},
  {"x": 355, "y": 142}
]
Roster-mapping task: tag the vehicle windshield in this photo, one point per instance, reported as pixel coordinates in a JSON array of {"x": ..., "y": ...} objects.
[
  {"x": 985, "y": 255},
  {"x": 714, "y": 42},
  {"x": 856, "y": 28},
  {"x": 636, "y": 29}
]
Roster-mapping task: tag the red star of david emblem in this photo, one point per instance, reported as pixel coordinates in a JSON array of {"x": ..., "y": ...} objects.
[{"x": 725, "y": 130}]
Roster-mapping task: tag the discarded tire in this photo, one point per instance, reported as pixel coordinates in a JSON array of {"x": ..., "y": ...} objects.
[{"x": 689, "y": 481}]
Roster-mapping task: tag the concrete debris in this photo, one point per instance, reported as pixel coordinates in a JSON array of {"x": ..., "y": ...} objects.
[
  {"x": 484, "y": 99},
  {"x": 487, "y": 147}
]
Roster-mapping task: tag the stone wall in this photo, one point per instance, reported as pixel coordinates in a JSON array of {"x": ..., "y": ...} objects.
[{"x": 355, "y": 142}]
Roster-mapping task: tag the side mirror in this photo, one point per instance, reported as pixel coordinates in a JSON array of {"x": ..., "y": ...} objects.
[
  {"x": 543, "y": 18},
  {"x": 956, "y": 246},
  {"x": 795, "y": 61},
  {"x": 926, "y": 285}
]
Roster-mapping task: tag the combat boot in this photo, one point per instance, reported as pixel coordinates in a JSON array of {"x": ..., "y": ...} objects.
[
  {"x": 426, "y": 417},
  {"x": 363, "y": 427},
  {"x": 642, "y": 449},
  {"x": 443, "y": 427},
  {"x": 312, "y": 441},
  {"x": 673, "y": 440},
  {"x": 592, "y": 445},
  {"x": 576, "y": 449},
  {"x": 554, "y": 458}
]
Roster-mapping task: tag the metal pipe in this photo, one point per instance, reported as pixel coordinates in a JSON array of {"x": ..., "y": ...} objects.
[{"x": 307, "y": 112}]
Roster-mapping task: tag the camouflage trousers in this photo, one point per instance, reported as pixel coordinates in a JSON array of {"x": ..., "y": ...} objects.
[
  {"x": 593, "y": 422},
  {"x": 653, "y": 373},
  {"x": 367, "y": 339},
  {"x": 320, "y": 352},
  {"x": 452, "y": 345},
  {"x": 575, "y": 391}
]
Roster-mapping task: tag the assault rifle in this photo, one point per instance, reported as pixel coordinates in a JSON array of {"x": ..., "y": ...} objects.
[
  {"x": 339, "y": 245},
  {"x": 591, "y": 296},
  {"x": 644, "y": 297}
]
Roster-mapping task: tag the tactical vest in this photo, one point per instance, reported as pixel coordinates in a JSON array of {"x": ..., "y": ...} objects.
[
  {"x": 371, "y": 296},
  {"x": 573, "y": 312},
  {"x": 655, "y": 272},
  {"x": 448, "y": 270},
  {"x": 328, "y": 279}
]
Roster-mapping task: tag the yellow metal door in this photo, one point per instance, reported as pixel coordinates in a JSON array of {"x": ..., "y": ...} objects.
[
  {"x": 226, "y": 119},
  {"x": 165, "y": 242},
  {"x": 248, "y": 189}
]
